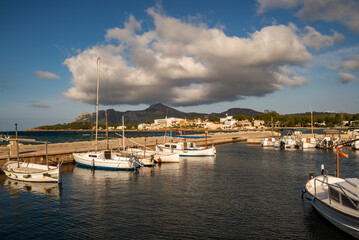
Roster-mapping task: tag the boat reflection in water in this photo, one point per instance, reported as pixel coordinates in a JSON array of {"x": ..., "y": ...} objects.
[
  {"x": 199, "y": 160},
  {"x": 90, "y": 176},
  {"x": 16, "y": 187}
]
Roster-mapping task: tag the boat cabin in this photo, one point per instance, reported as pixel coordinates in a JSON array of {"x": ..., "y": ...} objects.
[{"x": 180, "y": 145}]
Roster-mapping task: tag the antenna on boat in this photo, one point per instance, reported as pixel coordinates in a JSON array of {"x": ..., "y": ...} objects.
[
  {"x": 311, "y": 119},
  {"x": 98, "y": 86},
  {"x": 17, "y": 147}
]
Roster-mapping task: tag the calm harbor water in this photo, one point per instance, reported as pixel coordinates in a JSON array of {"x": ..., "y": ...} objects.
[{"x": 245, "y": 192}]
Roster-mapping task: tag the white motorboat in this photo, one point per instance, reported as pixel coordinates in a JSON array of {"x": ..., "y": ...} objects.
[
  {"x": 355, "y": 145},
  {"x": 186, "y": 149},
  {"x": 31, "y": 172},
  {"x": 309, "y": 142},
  {"x": 268, "y": 142},
  {"x": 328, "y": 142},
  {"x": 105, "y": 159},
  {"x": 335, "y": 198},
  {"x": 286, "y": 142}
]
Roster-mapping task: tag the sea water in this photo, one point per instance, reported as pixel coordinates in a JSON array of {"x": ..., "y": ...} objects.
[{"x": 245, "y": 192}]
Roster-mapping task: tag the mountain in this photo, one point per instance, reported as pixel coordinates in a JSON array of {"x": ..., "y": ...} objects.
[{"x": 156, "y": 111}]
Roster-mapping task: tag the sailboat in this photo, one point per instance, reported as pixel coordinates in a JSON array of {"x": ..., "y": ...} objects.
[
  {"x": 31, "y": 172},
  {"x": 335, "y": 198},
  {"x": 187, "y": 149},
  {"x": 105, "y": 159},
  {"x": 310, "y": 142}
]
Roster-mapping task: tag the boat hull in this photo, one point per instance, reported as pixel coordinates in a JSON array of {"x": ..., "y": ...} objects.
[
  {"x": 306, "y": 145},
  {"x": 31, "y": 172},
  {"x": 121, "y": 163},
  {"x": 167, "y": 157},
  {"x": 342, "y": 221}
]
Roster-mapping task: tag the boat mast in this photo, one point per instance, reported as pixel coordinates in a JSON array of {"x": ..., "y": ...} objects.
[
  {"x": 123, "y": 132},
  {"x": 107, "y": 145},
  {"x": 337, "y": 162},
  {"x": 17, "y": 147},
  {"x": 98, "y": 86},
  {"x": 311, "y": 119}
]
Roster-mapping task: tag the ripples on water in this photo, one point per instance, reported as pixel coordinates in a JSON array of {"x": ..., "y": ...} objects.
[{"x": 246, "y": 192}]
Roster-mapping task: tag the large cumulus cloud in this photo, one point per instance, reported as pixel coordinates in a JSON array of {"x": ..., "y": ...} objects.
[{"x": 181, "y": 64}]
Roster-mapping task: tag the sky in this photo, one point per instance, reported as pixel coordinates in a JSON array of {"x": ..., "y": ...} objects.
[{"x": 289, "y": 56}]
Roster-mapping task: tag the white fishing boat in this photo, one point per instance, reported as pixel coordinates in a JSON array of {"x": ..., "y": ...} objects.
[
  {"x": 31, "y": 172},
  {"x": 154, "y": 156},
  {"x": 186, "y": 149},
  {"x": 268, "y": 142},
  {"x": 355, "y": 135},
  {"x": 312, "y": 141},
  {"x": 105, "y": 159},
  {"x": 336, "y": 199},
  {"x": 309, "y": 142},
  {"x": 167, "y": 157}
]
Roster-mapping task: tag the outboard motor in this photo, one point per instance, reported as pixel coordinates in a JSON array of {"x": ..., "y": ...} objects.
[
  {"x": 330, "y": 144},
  {"x": 324, "y": 144},
  {"x": 282, "y": 144}
]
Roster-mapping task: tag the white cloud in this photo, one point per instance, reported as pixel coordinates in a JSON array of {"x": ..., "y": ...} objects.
[
  {"x": 347, "y": 77},
  {"x": 181, "y": 64},
  {"x": 316, "y": 40},
  {"x": 343, "y": 11},
  {"x": 46, "y": 75},
  {"x": 351, "y": 65}
]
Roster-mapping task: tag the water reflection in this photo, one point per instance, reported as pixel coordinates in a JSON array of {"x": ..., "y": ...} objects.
[
  {"x": 15, "y": 188},
  {"x": 95, "y": 176},
  {"x": 198, "y": 161}
]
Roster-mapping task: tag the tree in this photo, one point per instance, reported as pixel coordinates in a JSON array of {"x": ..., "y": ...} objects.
[{"x": 214, "y": 119}]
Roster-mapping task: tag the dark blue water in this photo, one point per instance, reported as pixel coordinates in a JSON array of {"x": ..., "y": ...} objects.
[{"x": 246, "y": 192}]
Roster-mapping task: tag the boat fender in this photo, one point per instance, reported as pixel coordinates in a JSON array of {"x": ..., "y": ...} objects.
[
  {"x": 310, "y": 198},
  {"x": 303, "y": 191},
  {"x": 93, "y": 163}
]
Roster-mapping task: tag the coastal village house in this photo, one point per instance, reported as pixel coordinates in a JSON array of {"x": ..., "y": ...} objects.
[{"x": 228, "y": 122}]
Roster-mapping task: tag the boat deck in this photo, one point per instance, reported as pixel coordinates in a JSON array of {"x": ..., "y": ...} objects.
[{"x": 348, "y": 188}]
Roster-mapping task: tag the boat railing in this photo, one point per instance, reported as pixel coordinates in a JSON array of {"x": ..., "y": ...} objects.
[{"x": 343, "y": 191}]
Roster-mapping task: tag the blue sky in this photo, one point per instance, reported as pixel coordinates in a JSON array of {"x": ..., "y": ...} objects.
[{"x": 204, "y": 56}]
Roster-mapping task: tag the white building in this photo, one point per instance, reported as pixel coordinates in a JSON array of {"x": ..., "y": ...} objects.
[
  {"x": 228, "y": 122},
  {"x": 169, "y": 121},
  {"x": 257, "y": 123}
]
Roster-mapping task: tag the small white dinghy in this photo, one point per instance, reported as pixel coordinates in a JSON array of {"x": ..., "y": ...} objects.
[{"x": 32, "y": 172}]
